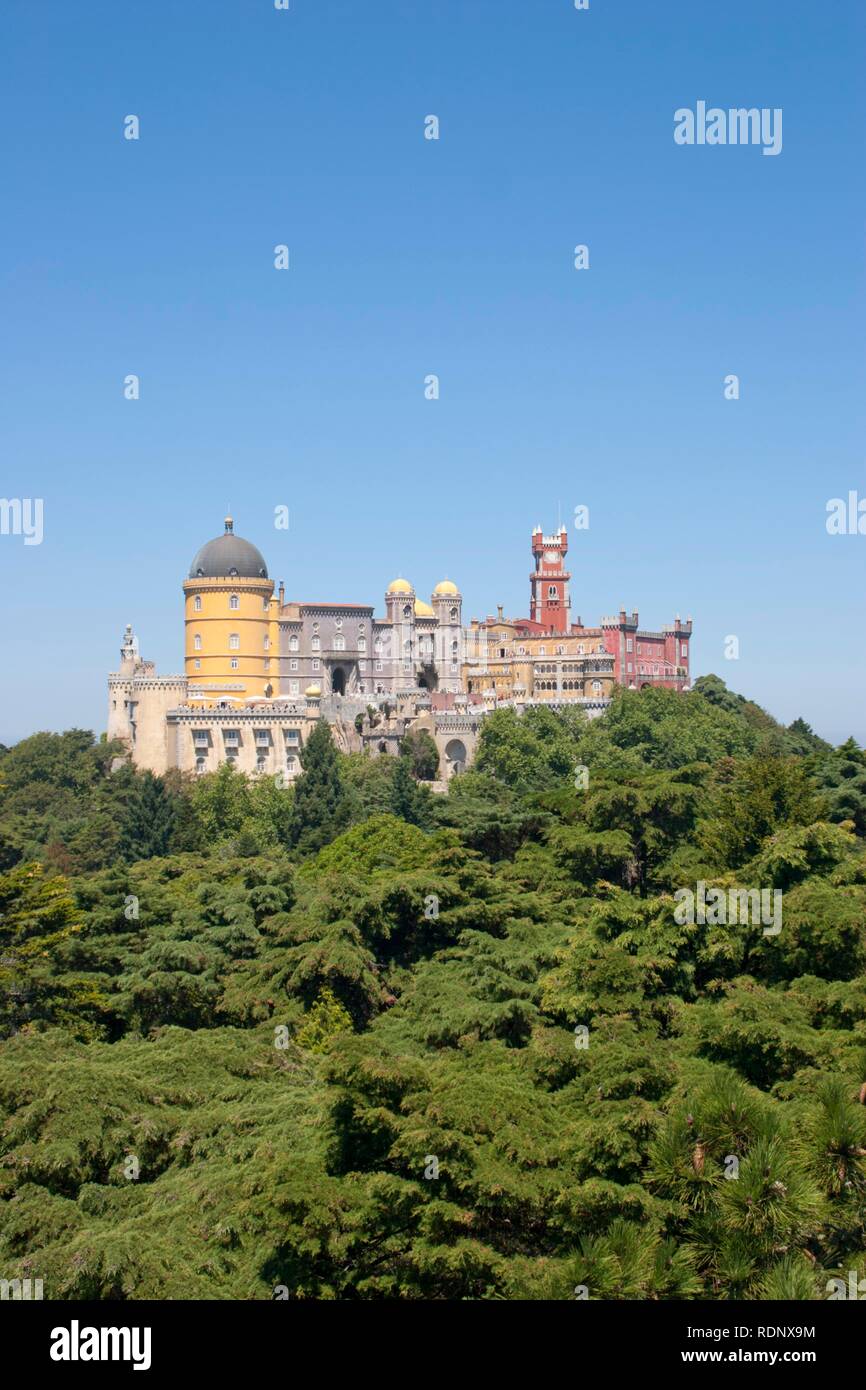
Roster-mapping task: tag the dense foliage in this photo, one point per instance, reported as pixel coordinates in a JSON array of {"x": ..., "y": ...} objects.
[{"x": 357, "y": 1040}]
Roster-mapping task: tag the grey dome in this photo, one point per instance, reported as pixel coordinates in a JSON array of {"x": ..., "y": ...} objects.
[{"x": 228, "y": 556}]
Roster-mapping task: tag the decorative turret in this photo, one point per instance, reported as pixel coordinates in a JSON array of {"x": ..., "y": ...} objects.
[
  {"x": 230, "y": 631},
  {"x": 549, "y": 602},
  {"x": 447, "y": 603}
]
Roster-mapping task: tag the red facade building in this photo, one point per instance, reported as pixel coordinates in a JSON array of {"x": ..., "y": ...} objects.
[{"x": 641, "y": 658}]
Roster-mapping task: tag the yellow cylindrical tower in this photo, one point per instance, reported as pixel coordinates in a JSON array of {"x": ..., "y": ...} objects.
[{"x": 230, "y": 648}]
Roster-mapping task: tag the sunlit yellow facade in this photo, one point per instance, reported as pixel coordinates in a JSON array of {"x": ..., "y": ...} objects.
[{"x": 231, "y": 630}]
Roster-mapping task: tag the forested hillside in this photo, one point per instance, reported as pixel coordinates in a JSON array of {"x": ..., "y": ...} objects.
[{"x": 354, "y": 1040}]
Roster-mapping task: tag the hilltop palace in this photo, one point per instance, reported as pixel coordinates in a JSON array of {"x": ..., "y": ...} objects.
[{"x": 260, "y": 671}]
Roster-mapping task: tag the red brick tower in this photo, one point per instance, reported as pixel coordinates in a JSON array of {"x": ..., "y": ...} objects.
[{"x": 549, "y": 603}]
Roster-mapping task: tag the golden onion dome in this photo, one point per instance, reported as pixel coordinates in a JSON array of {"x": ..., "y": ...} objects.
[
  {"x": 313, "y": 690},
  {"x": 446, "y": 587},
  {"x": 399, "y": 586}
]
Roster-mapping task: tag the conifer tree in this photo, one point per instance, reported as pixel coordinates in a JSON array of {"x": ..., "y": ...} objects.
[
  {"x": 322, "y": 808},
  {"x": 148, "y": 824},
  {"x": 408, "y": 800}
]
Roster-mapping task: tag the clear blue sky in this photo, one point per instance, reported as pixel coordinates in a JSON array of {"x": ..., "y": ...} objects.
[{"x": 408, "y": 257}]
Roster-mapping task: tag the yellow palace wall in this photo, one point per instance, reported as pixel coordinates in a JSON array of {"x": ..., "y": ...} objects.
[{"x": 214, "y": 621}]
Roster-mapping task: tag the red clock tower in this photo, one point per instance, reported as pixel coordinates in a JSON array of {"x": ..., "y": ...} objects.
[{"x": 549, "y": 600}]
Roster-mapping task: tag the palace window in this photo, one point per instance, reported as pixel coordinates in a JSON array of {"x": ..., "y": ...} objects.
[
  {"x": 596, "y": 685},
  {"x": 234, "y": 641},
  {"x": 628, "y": 646},
  {"x": 293, "y": 644},
  {"x": 196, "y": 603},
  {"x": 234, "y": 601},
  {"x": 197, "y": 663},
  {"x": 316, "y": 665},
  {"x": 200, "y": 765},
  {"x": 234, "y": 663},
  {"x": 196, "y": 642},
  {"x": 316, "y": 644},
  {"x": 293, "y": 687},
  {"x": 293, "y": 665},
  {"x": 453, "y": 615},
  {"x": 362, "y": 643},
  {"x": 267, "y": 644},
  {"x": 552, "y": 591},
  {"x": 378, "y": 665},
  {"x": 339, "y": 644},
  {"x": 407, "y": 611}
]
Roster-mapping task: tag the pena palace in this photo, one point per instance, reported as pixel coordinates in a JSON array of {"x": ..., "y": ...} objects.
[{"x": 260, "y": 668}]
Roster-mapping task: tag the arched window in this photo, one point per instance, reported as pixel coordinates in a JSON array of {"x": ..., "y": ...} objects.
[
  {"x": 196, "y": 641},
  {"x": 453, "y": 615},
  {"x": 234, "y": 601},
  {"x": 293, "y": 644},
  {"x": 197, "y": 603},
  {"x": 407, "y": 610},
  {"x": 234, "y": 641},
  {"x": 552, "y": 591}
]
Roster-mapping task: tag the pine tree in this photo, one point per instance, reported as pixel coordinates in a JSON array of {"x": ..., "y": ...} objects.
[
  {"x": 408, "y": 800},
  {"x": 322, "y": 808},
  {"x": 149, "y": 820}
]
